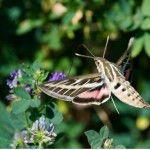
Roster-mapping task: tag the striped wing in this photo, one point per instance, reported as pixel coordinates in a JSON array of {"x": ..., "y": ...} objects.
[{"x": 83, "y": 90}]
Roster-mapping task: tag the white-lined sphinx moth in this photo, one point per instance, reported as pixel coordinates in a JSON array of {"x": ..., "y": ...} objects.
[{"x": 97, "y": 88}]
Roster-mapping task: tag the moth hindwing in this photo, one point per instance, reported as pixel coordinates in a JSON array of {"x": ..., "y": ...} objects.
[{"x": 97, "y": 88}]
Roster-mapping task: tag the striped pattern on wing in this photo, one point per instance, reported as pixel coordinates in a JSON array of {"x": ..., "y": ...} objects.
[{"x": 87, "y": 89}]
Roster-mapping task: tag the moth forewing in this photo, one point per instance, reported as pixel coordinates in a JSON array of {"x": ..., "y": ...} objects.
[
  {"x": 47, "y": 89},
  {"x": 83, "y": 90}
]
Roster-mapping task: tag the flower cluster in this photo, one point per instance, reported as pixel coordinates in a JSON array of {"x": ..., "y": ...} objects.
[
  {"x": 18, "y": 140},
  {"x": 14, "y": 81},
  {"x": 14, "y": 78},
  {"x": 108, "y": 144},
  {"x": 56, "y": 76},
  {"x": 41, "y": 133}
]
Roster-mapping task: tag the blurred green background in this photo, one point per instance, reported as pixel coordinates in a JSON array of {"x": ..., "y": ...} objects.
[{"x": 51, "y": 31}]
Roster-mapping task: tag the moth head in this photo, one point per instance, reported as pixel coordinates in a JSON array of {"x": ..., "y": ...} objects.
[{"x": 100, "y": 61}]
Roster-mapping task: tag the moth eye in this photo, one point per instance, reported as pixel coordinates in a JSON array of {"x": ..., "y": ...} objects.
[{"x": 117, "y": 86}]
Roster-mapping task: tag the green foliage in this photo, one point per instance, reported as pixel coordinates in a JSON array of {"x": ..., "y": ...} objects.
[
  {"x": 53, "y": 113},
  {"x": 26, "y": 97},
  {"x": 94, "y": 139},
  {"x": 137, "y": 46},
  {"x": 20, "y": 106},
  {"x": 145, "y": 8},
  {"x": 20, "y": 92},
  {"x": 49, "y": 31},
  {"x": 6, "y": 127},
  {"x": 147, "y": 43},
  {"x": 101, "y": 139}
]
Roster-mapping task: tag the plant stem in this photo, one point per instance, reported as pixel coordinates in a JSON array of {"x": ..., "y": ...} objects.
[{"x": 26, "y": 120}]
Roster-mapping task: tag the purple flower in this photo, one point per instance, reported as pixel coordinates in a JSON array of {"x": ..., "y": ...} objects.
[
  {"x": 10, "y": 97},
  {"x": 39, "y": 95},
  {"x": 12, "y": 82},
  {"x": 18, "y": 140},
  {"x": 41, "y": 132},
  {"x": 56, "y": 76},
  {"x": 28, "y": 88}
]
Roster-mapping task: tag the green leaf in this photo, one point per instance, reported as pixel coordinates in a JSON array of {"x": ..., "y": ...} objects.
[
  {"x": 24, "y": 27},
  {"x": 44, "y": 76},
  {"x": 91, "y": 135},
  {"x": 145, "y": 7},
  {"x": 104, "y": 132},
  {"x": 54, "y": 38},
  {"x": 136, "y": 22},
  {"x": 26, "y": 79},
  {"x": 68, "y": 17},
  {"x": 27, "y": 25},
  {"x": 137, "y": 46},
  {"x": 21, "y": 92},
  {"x": 6, "y": 125},
  {"x": 97, "y": 143},
  {"x": 93, "y": 138},
  {"x": 146, "y": 24},
  {"x": 20, "y": 106},
  {"x": 36, "y": 65},
  {"x": 53, "y": 113},
  {"x": 5, "y": 116},
  {"x": 126, "y": 23},
  {"x": 4, "y": 143},
  {"x": 35, "y": 103},
  {"x": 18, "y": 121},
  {"x": 120, "y": 147},
  {"x": 147, "y": 43},
  {"x": 26, "y": 69}
]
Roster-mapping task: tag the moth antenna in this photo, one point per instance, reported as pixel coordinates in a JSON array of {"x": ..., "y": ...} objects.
[
  {"x": 86, "y": 49},
  {"x": 115, "y": 105},
  {"x": 106, "y": 46},
  {"x": 80, "y": 55},
  {"x": 130, "y": 43}
]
